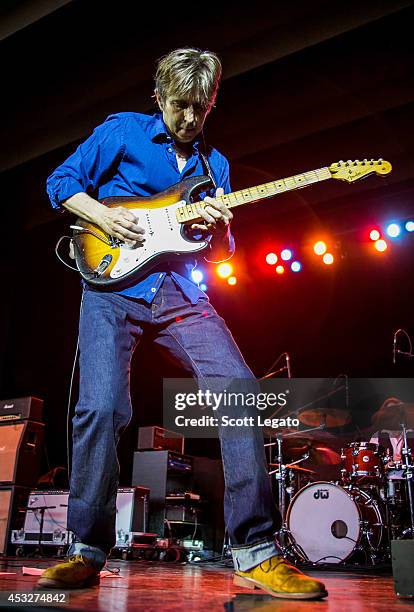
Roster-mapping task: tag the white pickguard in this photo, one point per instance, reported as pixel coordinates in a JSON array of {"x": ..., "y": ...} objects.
[{"x": 162, "y": 235}]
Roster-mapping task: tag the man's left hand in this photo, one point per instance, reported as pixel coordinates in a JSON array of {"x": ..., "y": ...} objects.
[{"x": 217, "y": 216}]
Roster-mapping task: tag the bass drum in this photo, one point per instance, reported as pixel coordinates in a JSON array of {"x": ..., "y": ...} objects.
[{"x": 328, "y": 521}]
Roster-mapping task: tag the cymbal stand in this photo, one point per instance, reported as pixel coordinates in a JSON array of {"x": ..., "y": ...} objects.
[{"x": 408, "y": 469}]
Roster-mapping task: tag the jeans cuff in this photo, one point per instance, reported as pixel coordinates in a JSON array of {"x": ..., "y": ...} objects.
[
  {"x": 93, "y": 553},
  {"x": 246, "y": 557}
]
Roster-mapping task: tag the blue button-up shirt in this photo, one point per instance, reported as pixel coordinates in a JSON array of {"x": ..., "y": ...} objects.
[{"x": 132, "y": 154}]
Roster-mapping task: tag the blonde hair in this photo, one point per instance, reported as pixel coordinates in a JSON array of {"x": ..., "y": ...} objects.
[{"x": 189, "y": 73}]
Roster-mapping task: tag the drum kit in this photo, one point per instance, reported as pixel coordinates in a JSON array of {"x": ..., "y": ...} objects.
[{"x": 351, "y": 520}]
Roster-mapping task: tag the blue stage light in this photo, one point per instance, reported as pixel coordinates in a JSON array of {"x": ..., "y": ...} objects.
[
  {"x": 286, "y": 254},
  {"x": 296, "y": 266},
  {"x": 409, "y": 226},
  {"x": 197, "y": 276},
  {"x": 203, "y": 287},
  {"x": 393, "y": 230}
]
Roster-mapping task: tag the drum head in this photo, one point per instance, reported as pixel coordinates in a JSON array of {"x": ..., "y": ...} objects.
[{"x": 324, "y": 521}]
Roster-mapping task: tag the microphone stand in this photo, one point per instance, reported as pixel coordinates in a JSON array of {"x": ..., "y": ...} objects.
[
  {"x": 42, "y": 517},
  {"x": 396, "y": 351}
]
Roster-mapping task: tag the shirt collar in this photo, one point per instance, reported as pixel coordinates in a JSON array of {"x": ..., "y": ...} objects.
[{"x": 159, "y": 132}]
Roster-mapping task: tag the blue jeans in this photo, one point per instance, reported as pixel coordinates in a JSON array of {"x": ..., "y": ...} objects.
[{"x": 197, "y": 338}]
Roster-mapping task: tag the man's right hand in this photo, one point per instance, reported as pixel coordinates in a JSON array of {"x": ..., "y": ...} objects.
[
  {"x": 121, "y": 223},
  {"x": 118, "y": 222}
]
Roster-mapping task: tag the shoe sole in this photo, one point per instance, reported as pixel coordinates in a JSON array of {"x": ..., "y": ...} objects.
[
  {"x": 249, "y": 583},
  {"x": 51, "y": 583}
]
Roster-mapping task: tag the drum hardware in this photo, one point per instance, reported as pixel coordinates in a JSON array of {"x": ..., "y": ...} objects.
[
  {"x": 408, "y": 476},
  {"x": 281, "y": 471}
]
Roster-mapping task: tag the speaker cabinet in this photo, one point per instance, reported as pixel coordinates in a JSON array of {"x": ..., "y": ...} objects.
[
  {"x": 131, "y": 516},
  {"x": 13, "y": 502},
  {"x": 402, "y": 552},
  {"x": 21, "y": 446}
]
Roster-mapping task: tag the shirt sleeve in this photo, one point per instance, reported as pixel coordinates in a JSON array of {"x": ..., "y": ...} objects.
[{"x": 87, "y": 167}]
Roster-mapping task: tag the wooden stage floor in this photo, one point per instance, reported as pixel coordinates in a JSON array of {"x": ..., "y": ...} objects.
[{"x": 153, "y": 586}]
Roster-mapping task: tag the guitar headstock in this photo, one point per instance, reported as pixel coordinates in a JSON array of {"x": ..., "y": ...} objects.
[{"x": 353, "y": 170}]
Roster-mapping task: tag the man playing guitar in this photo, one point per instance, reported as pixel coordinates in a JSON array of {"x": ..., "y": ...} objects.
[{"x": 135, "y": 154}]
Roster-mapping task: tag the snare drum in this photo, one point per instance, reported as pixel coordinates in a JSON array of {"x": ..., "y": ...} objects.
[
  {"x": 328, "y": 521},
  {"x": 363, "y": 463}
]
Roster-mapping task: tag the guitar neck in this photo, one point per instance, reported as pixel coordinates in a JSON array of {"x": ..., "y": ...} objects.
[{"x": 189, "y": 212}]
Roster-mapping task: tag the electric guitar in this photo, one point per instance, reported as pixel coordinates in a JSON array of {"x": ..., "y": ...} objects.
[{"x": 108, "y": 263}]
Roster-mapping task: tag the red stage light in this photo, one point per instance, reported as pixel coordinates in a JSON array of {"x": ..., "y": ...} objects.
[
  {"x": 374, "y": 235},
  {"x": 271, "y": 259},
  {"x": 232, "y": 280}
]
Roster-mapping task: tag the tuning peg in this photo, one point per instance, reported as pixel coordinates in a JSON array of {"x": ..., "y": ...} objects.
[
  {"x": 364, "y": 161},
  {"x": 341, "y": 162},
  {"x": 349, "y": 162},
  {"x": 356, "y": 162}
]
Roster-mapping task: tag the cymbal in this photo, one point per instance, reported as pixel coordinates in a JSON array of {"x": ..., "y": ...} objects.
[
  {"x": 296, "y": 468},
  {"x": 318, "y": 453},
  {"x": 330, "y": 417},
  {"x": 392, "y": 414}
]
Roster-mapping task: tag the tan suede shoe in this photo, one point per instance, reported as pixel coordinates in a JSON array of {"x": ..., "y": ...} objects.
[
  {"x": 280, "y": 579},
  {"x": 75, "y": 573}
]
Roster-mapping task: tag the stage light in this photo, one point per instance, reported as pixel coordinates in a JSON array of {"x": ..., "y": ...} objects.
[
  {"x": 409, "y": 226},
  {"x": 320, "y": 247},
  {"x": 328, "y": 259},
  {"x": 374, "y": 235},
  {"x": 197, "y": 276},
  {"x": 232, "y": 280},
  {"x": 280, "y": 269},
  {"x": 224, "y": 270},
  {"x": 296, "y": 266},
  {"x": 393, "y": 230},
  {"x": 381, "y": 245},
  {"x": 271, "y": 259},
  {"x": 286, "y": 254},
  {"x": 203, "y": 287}
]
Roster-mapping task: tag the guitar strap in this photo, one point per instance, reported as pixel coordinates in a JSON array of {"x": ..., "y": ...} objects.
[{"x": 205, "y": 162}]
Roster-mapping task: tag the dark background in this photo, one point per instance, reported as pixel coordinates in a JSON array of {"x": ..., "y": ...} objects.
[{"x": 305, "y": 84}]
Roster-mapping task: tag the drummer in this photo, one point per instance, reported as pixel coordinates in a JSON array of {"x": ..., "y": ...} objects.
[{"x": 386, "y": 419}]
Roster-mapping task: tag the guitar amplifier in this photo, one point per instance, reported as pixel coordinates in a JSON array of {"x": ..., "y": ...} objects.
[
  {"x": 13, "y": 501},
  {"x": 54, "y": 519},
  {"x": 21, "y": 445},
  {"x": 158, "y": 438},
  {"x": 21, "y": 408},
  {"x": 131, "y": 515}
]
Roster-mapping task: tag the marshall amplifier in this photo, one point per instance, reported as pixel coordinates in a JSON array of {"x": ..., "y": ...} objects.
[
  {"x": 13, "y": 502},
  {"x": 21, "y": 408},
  {"x": 21, "y": 445},
  {"x": 157, "y": 438}
]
